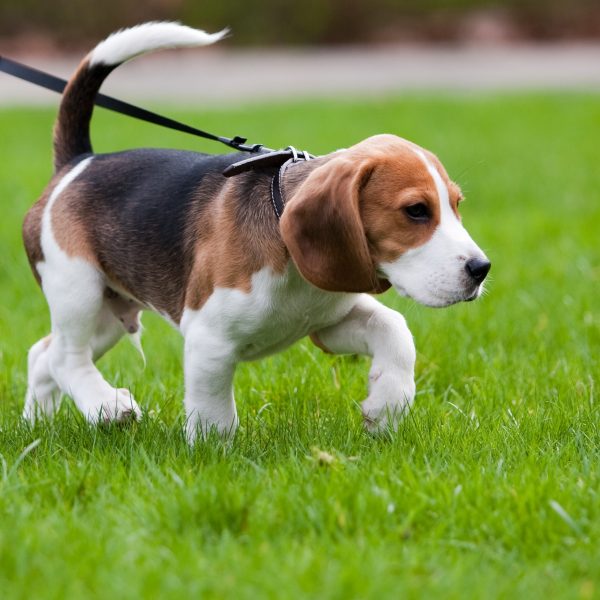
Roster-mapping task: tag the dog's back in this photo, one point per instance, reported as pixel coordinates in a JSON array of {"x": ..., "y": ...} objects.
[{"x": 140, "y": 214}]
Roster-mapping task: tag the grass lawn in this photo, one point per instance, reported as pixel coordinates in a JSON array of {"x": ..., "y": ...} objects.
[{"x": 491, "y": 487}]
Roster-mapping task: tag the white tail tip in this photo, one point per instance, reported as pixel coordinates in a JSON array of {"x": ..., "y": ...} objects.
[{"x": 126, "y": 44}]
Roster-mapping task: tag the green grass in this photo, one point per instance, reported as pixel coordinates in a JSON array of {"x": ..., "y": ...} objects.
[{"x": 491, "y": 487}]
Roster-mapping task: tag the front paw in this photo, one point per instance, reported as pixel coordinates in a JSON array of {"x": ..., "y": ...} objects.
[{"x": 389, "y": 400}]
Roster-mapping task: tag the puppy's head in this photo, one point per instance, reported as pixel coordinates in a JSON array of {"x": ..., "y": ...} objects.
[{"x": 384, "y": 212}]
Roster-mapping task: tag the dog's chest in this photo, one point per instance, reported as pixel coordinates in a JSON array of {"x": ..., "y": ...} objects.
[{"x": 278, "y": 310}]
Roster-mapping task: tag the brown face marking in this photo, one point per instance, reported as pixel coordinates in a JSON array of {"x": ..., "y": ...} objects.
[
  {"x": 401, "y": 179},
  {"x": 456, "y": 197},
  {"x": 454, "y": 192}
]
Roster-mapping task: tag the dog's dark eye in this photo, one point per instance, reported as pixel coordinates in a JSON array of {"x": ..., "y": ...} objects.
[{"x": 417, "y": 212}]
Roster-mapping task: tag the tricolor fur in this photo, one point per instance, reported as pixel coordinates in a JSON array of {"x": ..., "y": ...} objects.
[{"x": 163, "y": 230}]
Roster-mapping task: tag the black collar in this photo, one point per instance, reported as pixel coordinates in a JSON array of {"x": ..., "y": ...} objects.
[{"x": 281, "y": 159}]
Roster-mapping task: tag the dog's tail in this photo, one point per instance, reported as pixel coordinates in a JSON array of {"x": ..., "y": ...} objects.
[{"x": 72, "y": 129}]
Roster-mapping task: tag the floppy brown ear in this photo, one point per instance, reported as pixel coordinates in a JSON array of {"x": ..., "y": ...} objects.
[{"x": 323, "y": 231}]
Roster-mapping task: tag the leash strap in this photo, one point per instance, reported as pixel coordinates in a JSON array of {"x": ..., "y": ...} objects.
[
  {"x": 56, "y": 84},
  {"x": 267, "y": 158}
]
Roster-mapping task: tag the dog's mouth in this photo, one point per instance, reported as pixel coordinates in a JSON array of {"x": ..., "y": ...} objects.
[
  {"x": 469, "y": 296},
  {"x": 438, "y": 298},
  {"x": 469, "y": 293},
  {"x": 440, "y": 301}
]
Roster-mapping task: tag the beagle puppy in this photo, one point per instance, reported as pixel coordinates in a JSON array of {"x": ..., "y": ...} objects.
[{"x": 164, "y": 230}]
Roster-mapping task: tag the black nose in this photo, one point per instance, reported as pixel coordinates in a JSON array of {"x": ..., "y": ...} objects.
[{"x": 478, "y": 268}]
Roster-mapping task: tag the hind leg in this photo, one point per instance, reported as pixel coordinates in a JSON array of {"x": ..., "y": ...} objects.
[
  {"x": 43, "y": 394},
  {"x": 82, "y": 329}
]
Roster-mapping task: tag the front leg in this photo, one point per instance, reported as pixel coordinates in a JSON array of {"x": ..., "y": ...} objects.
[
  {"x": 373, "y": 329},
  {"x": 209, "y": 368}
]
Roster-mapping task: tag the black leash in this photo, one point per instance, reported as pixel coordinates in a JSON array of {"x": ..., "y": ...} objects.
[
  {"x": 56, "y": 84},
  {"x": 267, "y": 158}
]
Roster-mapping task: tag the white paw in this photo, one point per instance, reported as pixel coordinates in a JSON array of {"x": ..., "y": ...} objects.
[
  {"x": 389, "y": 400},
  {"x": 120, "y": 408}
]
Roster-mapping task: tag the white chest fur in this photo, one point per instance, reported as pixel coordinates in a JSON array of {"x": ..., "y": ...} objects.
[{"x": 278, "y": 310}]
